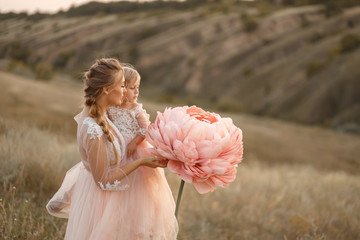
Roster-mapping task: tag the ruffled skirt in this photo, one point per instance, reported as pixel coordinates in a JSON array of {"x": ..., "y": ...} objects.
[{"x": 143, "y": 211}]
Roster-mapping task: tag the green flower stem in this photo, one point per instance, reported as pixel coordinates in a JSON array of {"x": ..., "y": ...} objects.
[{"x": 179, "y": 197}]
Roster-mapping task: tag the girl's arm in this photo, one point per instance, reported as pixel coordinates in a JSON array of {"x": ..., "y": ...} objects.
[
  {"x": 131, "y": 147},
  {"x": 148, "y": 161},
  {"x": 143, "y": 121}
]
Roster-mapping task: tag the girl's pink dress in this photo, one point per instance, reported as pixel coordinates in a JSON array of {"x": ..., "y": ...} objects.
[{"x": 100, "y": 206}]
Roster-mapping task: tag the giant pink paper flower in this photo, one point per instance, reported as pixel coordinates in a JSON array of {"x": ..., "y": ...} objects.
[{"x": 202, "y": 148}]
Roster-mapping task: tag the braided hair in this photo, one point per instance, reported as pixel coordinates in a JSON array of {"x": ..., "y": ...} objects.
[{"x": 101, "y": 74}]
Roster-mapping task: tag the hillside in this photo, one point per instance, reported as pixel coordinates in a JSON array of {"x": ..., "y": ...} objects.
[
  {"x": 52, "y": 106},
  {"x": 46, "y": 106},
  {"x": 293, "y": 63}
]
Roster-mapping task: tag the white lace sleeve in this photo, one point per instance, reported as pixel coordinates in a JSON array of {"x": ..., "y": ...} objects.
[
  {"x": 94, "y": 130},
  {"x": 143, "y": 119},
  {"x": 101, "y": 158}
]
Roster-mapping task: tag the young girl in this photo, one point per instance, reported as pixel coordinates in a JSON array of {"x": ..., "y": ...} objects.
[
  {"x": 149, "y": 186},
  {"x": 140, "y": 212},
  {"x": 130, "y": 117}
]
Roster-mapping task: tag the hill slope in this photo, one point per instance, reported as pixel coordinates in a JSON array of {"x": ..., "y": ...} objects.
[
  {"x": 291, "y": 66},
  {"x": 273, "y": 142}
]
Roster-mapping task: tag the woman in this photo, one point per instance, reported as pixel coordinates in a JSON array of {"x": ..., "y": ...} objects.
[{"x": 105, "y": 200}]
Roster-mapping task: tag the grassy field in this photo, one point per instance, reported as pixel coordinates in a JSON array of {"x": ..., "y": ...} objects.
[{"x": 296, "y": 182}]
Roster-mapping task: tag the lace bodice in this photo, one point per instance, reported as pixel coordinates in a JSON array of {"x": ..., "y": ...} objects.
[{"x": 130, "y": 121}]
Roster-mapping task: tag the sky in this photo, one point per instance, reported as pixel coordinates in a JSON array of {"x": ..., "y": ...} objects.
[{"x": 31, "y": 6}]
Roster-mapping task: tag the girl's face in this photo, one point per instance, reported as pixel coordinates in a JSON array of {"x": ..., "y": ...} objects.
[
  {"x": 132, "y": 91},
  {"x": 117, "y": 91}
]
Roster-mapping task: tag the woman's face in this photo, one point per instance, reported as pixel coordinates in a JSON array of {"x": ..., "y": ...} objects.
[
  {"x": 117, "y": 91},
  {"x": 132, "y": 91}
]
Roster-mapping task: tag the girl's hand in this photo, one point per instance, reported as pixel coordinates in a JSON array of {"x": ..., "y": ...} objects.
[
  {"x": 154, "y": 162},
  {"x": 130, "y": 149}
]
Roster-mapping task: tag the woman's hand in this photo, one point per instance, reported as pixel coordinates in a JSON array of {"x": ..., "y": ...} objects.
[{"x": 153, "y": 162}]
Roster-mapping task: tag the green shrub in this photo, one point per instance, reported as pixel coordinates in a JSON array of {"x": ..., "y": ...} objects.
[
  {"x": 332, "y": 7},
  {"x": 20, "y": 68},
  {"x": 127, "y": 17},
  {"x": 314, "y": 67},
  {"x": 334, "y": 52},
  {"x": 266, "y": 41},
  {"x": 349, "y": 42},
  {"x": 165, "y": 97},
  {"x": 55, "y": 27},
  {"x": 250, "y": 24},
  {"x": 133, "y": 53},
  {"x": 267, "y": 88},
  {"x": 229, "y": 105},
  {"x": 205, "y": 13},
  {"x": 62, "y": 59},
  {"x": 264, "y": 8},
  {"x": 13, "y": 64},
  {"x": 248, "y": 71},
  {"x": 77, "y": 75},
  {"x": 316, "y": 37},
  {"x": 305, "y": 22},
  {"x": 44, "y": 71},
  {"x": 19, "y": 51},
  {"x": 27, "y": 27},
  {"x": 100, "y": 14},
  {"x": 223, "y": 7},
  {"x": 147, "y": 32},
  {"x": 191, "y": 62},
  {"x": 170, "y": 86}
]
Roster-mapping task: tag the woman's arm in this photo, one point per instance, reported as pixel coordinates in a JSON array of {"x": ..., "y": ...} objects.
[
  {"x": 99, "y": 150},
  {"x": 119, "y": 173}
]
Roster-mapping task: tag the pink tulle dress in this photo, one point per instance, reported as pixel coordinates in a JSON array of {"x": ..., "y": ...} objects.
[{"x": 100, "y": 206}]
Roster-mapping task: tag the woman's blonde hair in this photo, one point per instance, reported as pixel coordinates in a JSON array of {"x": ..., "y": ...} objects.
[{"x": 100, "y": 75}]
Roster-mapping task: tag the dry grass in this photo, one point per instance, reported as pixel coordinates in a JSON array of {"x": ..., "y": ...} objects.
[
  {"x": 295, "y": 182},
  {"x": 278, "y": 202},
  {"x": 33, "y": 163}
]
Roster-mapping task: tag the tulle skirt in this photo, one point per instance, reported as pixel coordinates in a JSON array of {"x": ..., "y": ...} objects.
[{"x": 143, "y": 211}]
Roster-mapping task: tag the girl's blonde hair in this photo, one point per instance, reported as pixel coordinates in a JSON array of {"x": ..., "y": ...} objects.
[
  {"x": 130, "y": 75},
  {"x": 100, "y": 75}
]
